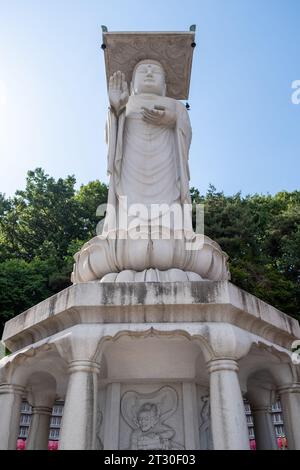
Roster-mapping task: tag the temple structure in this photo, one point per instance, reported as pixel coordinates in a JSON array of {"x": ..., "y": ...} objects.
[{"x": 152, "y": 339}]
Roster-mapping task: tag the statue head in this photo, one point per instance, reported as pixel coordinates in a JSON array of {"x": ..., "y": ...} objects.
[
  {"x": 147, "y": 416},
  {"x": 148, "y": 77}
]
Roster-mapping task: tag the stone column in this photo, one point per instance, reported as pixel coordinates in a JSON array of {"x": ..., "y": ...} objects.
[
  {"x": 264, "y": 428},
  {"x": 223, "y": 345},
  {"x": 41, "y": 396},
  {"x": 112, "y": 416},
  {"x": 290, "y": 402},
  {"x": 80, "y": 348},
  {"x": 39, "y": 428},
  {"x": 260, "y": 401},
  {"x": 78, "y": 429},
  {"x": 228, "y": 419},
  {"x": 190, "y": 418},
  {"x": 10, "y": 407}
]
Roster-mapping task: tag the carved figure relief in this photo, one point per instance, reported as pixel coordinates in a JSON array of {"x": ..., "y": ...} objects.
[
  {"x": 146, "y": 414},
  {"x": 206, "y": 442},
  {"x": 99, "y": 443}
]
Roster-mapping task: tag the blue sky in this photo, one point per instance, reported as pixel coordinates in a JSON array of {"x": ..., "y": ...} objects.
[{"x": 53, "y": 99}]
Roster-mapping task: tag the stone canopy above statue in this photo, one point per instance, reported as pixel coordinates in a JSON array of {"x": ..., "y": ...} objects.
[{"x": 123, "y": 50}]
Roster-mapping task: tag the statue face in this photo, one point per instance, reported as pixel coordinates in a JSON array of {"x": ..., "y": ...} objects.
[
  {"x": 146, "y": 420},
  {"x": 149, "y": 78}
]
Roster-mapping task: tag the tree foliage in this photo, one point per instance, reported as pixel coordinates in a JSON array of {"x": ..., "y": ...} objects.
[
  {"x": 43, "y": 226},
  {"x": 261, "y": 235}
]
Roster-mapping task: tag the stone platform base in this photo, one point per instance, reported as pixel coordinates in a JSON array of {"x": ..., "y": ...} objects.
[{"x": 150, "y": 365}]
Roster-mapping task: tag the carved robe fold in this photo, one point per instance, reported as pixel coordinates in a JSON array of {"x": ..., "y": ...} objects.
[{"x": 148, "y": 163}]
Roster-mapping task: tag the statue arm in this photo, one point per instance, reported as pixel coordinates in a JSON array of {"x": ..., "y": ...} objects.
[
  {"x": 167, "y": 434},
  {"x": 111, "y": 139},
  {"x": 184, "y": 124},
  {"x": 114, "y": 139},
  {"x": 118, "y": 98},
  {"x": 184, "y": 138},
  {"x": 164, "y": 431}
]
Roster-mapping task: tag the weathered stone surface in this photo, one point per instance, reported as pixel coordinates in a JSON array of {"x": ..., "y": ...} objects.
[
  {"x": 104, "y": 355},
  {"x": 203, "y": 301}
]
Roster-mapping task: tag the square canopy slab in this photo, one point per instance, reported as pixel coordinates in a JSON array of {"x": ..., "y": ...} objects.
[{"x": 174, "y": 50}]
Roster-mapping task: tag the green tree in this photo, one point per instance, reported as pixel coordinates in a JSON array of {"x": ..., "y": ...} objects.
[
  {"x": 89, "y": 197},
  {"x": 43, "y": 219},
  {"x": 23, "y": 284},
  {"x": 261, "y": 235}
]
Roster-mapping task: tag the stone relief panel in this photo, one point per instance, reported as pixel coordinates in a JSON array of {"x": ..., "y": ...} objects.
[
  {"x": 205, "y": 434},
  {"x": 153, "y": 419},
  {"x": 99, "y": 438},
  {"x": 99, "y": 441}
]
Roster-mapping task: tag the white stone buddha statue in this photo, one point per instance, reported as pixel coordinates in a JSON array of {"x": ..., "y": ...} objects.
[{"x": 146, "y": 225}]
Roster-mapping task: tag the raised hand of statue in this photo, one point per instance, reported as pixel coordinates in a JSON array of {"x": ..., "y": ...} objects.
[
  {"x": 159, "y": 116},
  {"x": 118, "y": 91}
]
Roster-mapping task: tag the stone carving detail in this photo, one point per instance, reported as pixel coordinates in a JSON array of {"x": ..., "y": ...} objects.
[
  {"x": 99, "y": 443},
  {"x": 173, "y": 50},
  {"x": 206, "y": 442},
  {"x": 146, "y": 414},
  {"x": 152, "y": 275}
]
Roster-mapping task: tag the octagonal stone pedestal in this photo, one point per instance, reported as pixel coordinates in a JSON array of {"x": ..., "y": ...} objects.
[{"x": 150, "y": 366}]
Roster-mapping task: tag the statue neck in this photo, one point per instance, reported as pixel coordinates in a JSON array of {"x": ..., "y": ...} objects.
[{"x": 147, "y": 96}]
